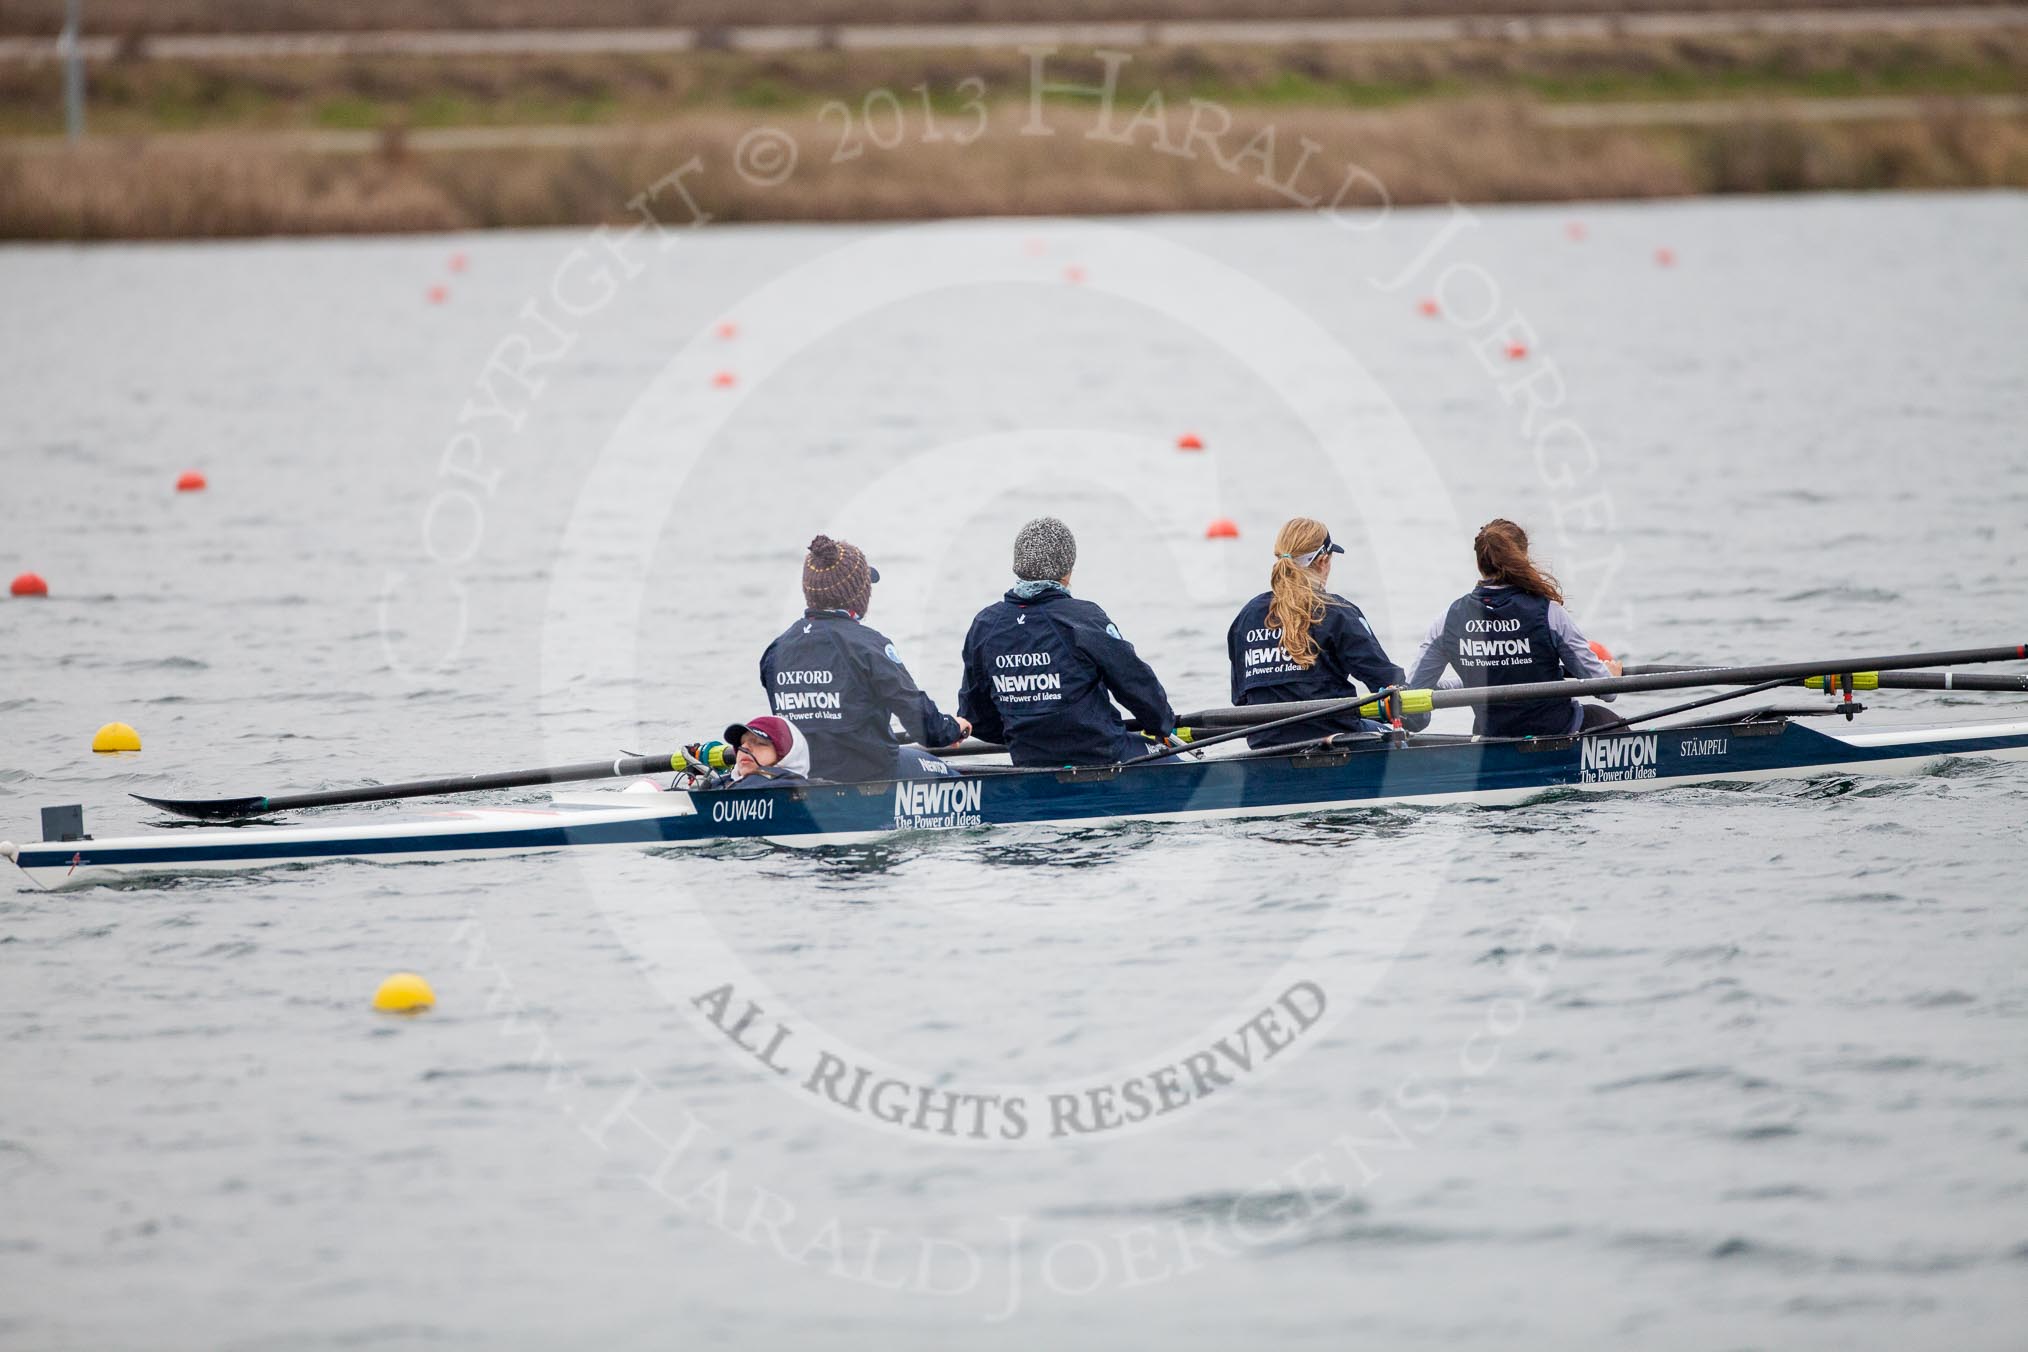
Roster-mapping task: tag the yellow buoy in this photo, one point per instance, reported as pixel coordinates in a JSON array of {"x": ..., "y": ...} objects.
[
  {"x": 404, "y": 993},
  {"x": 116, "y": 737}
]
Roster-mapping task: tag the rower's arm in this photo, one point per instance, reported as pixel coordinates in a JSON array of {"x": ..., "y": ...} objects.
[
  {"x": 1358, "y": 650},
  {"x": 901, "y": 696},
  {"x": 1130, "y": 680},
  {"x": 1238, "y": 668},
  {"x": 1575, "y": 649},
  {"x": 975, "y": 694},
  {"x": 1430, "y": 659}
]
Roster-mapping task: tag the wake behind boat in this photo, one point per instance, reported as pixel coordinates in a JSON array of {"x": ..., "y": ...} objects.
[{"x": 1337, "y": 773}]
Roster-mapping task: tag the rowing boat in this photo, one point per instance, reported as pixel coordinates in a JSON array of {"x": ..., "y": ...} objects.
[{"x": 1379, "y": 771}]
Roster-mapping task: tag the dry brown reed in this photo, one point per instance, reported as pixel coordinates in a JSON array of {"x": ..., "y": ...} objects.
[
  {"x": 134, "y": 96},
  {"x": 1472, "y": 150}
]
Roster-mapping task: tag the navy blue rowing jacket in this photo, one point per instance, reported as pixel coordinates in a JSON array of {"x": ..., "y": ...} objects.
[
  {"x": 1038, "y": 673},
  {"x": 841, "y": 683},
  {"x": 1495, "y": 635},
  {"x": 1263, "y": 673}
]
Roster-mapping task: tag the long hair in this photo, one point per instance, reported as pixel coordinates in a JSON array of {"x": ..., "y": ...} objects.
[
  {"x": 1501, "y": 548},
  {"x": 1299, "y": 596}
]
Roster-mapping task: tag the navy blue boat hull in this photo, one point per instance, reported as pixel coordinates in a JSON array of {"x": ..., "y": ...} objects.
[{"x": 1424, "y": 771}]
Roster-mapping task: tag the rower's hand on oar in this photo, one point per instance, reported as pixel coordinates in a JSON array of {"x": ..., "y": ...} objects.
[
  {"x": 712, "y": 755},
  {"x": 964, "y": 734}
]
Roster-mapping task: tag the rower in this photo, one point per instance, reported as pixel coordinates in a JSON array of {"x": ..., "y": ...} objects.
[
  {"x": 844, "y": 683},
  {"x": 769, "y": 754},
  {"x": 1041, "y": 663},
  {"x": 1300, "y": 641},
  {"x": 1512, "y": 629}
]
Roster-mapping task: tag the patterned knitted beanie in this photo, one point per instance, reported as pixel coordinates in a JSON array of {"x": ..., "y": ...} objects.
[{"x": 836, "y": 576}]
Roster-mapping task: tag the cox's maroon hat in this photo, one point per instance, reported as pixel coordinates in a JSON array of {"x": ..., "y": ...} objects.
[{"x": 776, "y": 730}]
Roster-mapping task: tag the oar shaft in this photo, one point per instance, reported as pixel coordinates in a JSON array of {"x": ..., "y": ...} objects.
[
  {"x": 229, "y": 809},
  {"x": 1754, "y": 675},
  {"x": 1669, "y": 678},
  {"x": 1988, "y": 682},
  {"x": 505, "y": 779}
]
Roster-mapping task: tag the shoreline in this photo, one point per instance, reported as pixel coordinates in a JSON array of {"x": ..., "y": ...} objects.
[
  {"x": 1477, "y": 152},
  {"x": 402, "y": 143}
]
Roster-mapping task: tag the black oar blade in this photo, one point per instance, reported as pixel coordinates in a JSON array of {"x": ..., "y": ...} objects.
[{"x": 208, "y": 809}]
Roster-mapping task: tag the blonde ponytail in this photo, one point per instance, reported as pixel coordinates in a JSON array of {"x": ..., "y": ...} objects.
[{"x": 1298, "y": 593}]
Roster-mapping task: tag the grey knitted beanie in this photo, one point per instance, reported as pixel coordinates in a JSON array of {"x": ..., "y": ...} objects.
[{"x": 1045, "y": 550}]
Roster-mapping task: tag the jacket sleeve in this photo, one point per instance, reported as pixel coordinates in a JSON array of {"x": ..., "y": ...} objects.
[
  {"x": 897, "y": 692},
  {"x": 1430, "y": 661},
  {"x": 1130, "y": 680},
  {"x": 1232, "y": 647},
  {"x": 1358, "y": 650},
  {"x": 975, "y": 695},
  {"x": 1579, "y": 661}
]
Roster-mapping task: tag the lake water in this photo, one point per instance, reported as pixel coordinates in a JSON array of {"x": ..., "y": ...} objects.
[{"x": 1712, "y": 1067}]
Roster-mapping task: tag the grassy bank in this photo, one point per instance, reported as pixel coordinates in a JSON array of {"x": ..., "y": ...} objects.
[
  {"x": 1473, "y": 150},
  {"x": 138, "y": 97},
  {"x": 389, "y": 143}
]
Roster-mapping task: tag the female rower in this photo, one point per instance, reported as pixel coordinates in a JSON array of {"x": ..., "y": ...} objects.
[
  {"x": 1042, "y": 667},
  {"x": 845, "y": 684},
  {"x": 1512, "y": 629},
  {"x": 1299, "y": 641}
]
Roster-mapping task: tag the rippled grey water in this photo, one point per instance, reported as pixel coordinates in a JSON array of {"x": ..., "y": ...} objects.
[{"x": 1718, "y": 1066}]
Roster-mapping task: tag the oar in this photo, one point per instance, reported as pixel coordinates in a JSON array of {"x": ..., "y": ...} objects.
[
  {"x": 227, "y": 809},
  {"x": 1890, "y": 680},
  {"x": 1255, "y": 718}
]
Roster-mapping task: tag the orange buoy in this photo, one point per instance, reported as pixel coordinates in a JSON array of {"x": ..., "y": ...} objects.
[
  {"x": 724, "y": 380},
  {"x": 29, "y": 584},
  {"x": 458, "y": 262},
  {"x": 1190, "y": 441},
  {"x": 1224, "y": 528},
  {"x": 1665, "y": 258},
  {"x": 1073, "y": 274},
  {"x": 438, "y": 294},
  {"x": 1427, "y": 306},
  {"x": 1517, "y": 352},
  {"x": 728, "y": 330},
  {"x": 1575, "y": 231},
  {"x": 190, "y": 481}
]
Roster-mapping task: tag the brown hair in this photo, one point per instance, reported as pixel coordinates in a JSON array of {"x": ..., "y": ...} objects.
[
  {"x": 1501, "y": 548},
  {"x": 1299, "y": 596}
]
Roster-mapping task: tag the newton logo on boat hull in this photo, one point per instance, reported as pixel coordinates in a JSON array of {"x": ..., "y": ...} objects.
[
  {"x": 1612, "y": 760},
  {"x": 938, "y": 804}
]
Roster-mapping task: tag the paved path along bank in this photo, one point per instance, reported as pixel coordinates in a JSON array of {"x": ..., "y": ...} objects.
[{"x": 875, "y": 37}]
